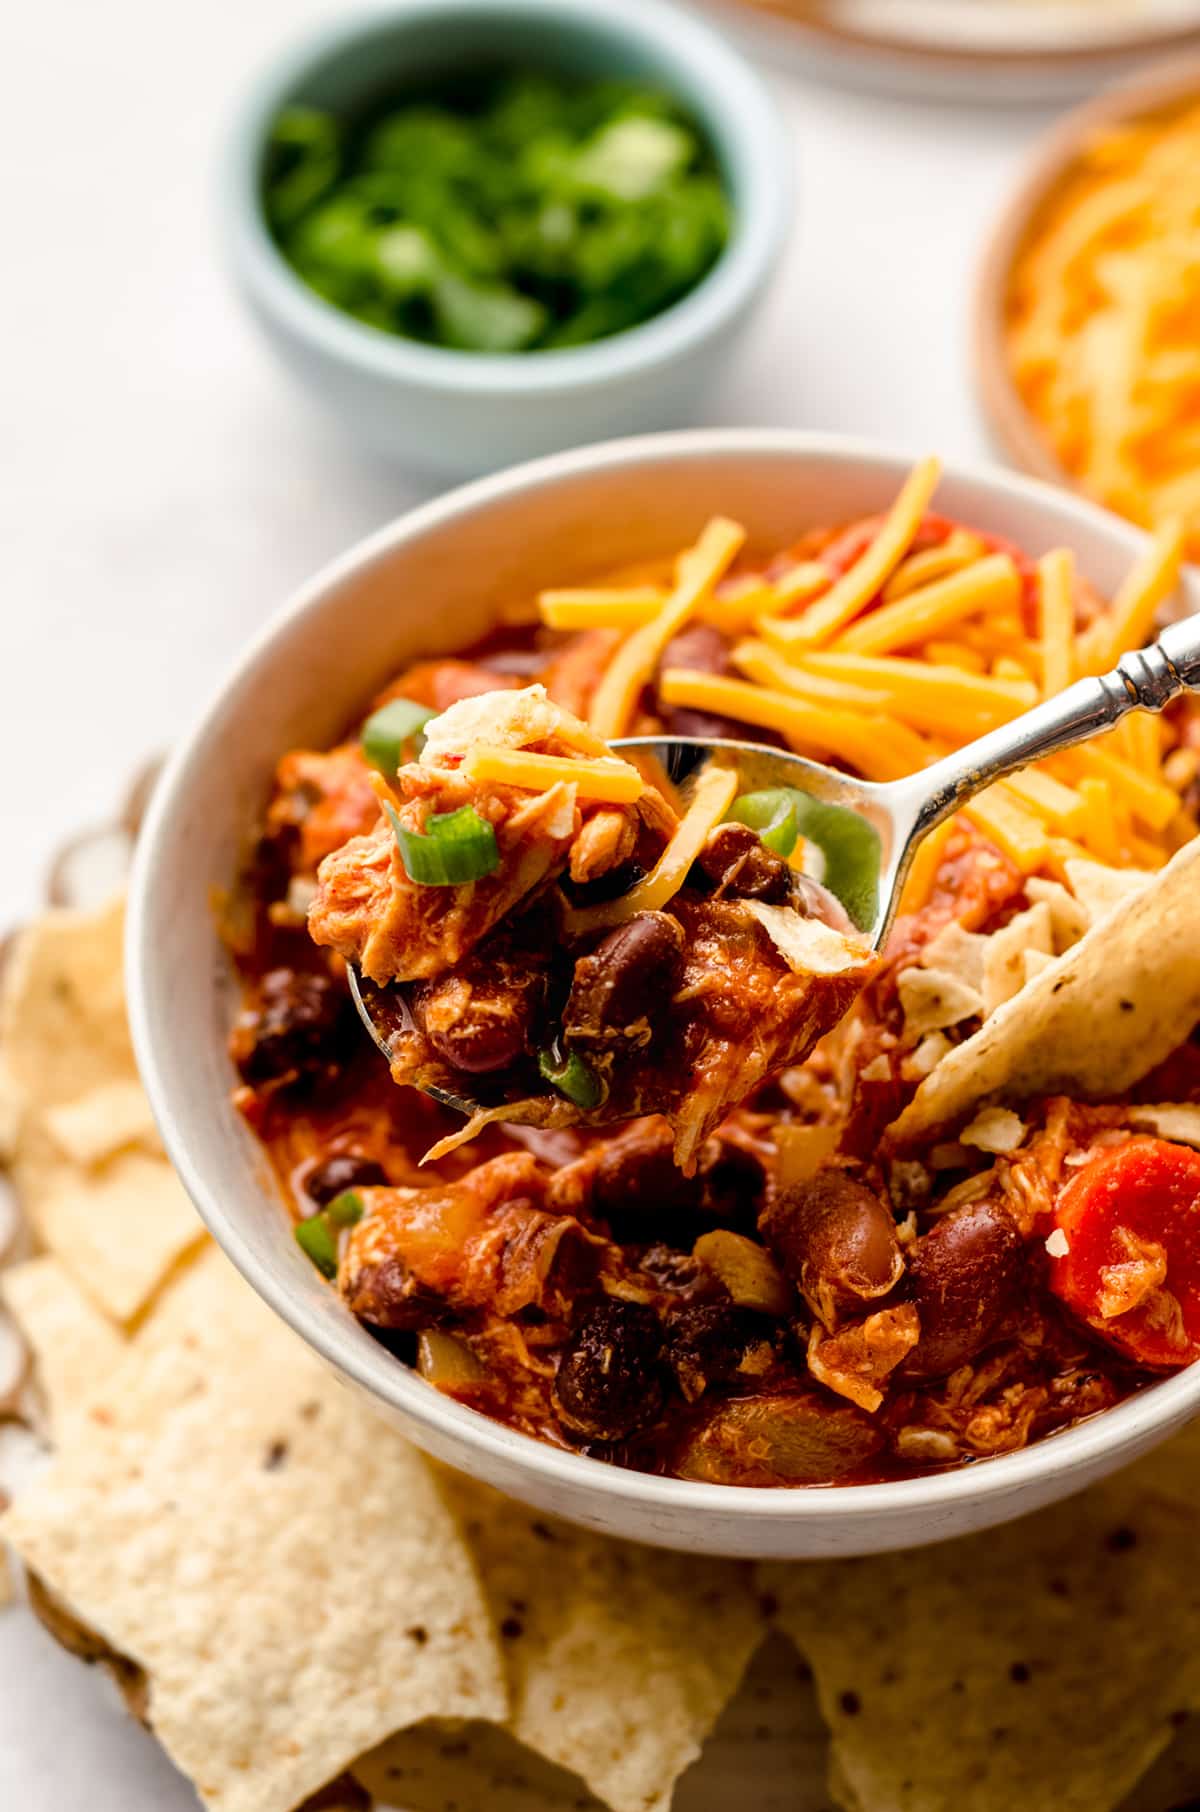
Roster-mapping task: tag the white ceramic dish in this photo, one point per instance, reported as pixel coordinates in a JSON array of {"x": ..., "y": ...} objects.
[
  {"x": 460, "y": 412},
  {"x": 429, "y": 583}
]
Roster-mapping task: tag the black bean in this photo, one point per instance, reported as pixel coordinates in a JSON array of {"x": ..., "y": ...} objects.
[
  {"x": 301, "y": 1026},
  {"x": 345, "y": 1171},
  {"x": 707, "y": 1341},
  {"x": 608, "y": 1380},
  {"x": 631, "y": 973}
]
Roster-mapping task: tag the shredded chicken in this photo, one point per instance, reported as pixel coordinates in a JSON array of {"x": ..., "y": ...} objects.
[{"x": 856, "y": 1361}]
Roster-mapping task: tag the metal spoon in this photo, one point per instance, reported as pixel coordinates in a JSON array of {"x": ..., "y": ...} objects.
[{"x": 883, "y": 824}]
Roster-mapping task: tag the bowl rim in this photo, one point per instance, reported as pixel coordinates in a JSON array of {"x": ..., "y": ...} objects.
[
  {"x": 1153, "y": 90},
  {"x": 738, "y": 111},
  {"x": 1124, "y": 1428}
]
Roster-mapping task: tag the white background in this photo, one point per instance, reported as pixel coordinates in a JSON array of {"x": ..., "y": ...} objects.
[{"x": 162, "y": 489}]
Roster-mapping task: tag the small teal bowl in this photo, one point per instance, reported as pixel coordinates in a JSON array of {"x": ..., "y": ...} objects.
[{"x": 458, "y": 413}]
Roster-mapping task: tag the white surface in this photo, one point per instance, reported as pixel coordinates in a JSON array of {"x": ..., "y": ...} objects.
[{"x": 161, "y": 489}]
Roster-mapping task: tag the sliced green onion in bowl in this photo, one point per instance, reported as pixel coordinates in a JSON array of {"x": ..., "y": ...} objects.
[
  {"x": 772, "y": 813},
  {"x": 317, "y": 1240},
  {"x": 346, "y": 1209},
  {"x": 390, "y": 730},
  {"x": 573, "y": 1077},
  {"x": 454, "y": 848}
]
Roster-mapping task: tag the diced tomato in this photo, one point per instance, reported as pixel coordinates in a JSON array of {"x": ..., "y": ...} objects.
[{"x": 1131, "y": 1220}]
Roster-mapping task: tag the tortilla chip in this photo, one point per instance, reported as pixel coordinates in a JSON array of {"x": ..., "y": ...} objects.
[
  {"x": 105, "y": 1120},
  {"x": 74, "y": 1346},
  {"x": 285, "y": 1571},
  {"x": 62, "y": 1009},
  {"x": 1068, "y": 917},
  {"x": 119, "y": 1228},
  {"x": 1099, "y": 888},
  {"x": 1033, "y": 962},
  {"x": 933, "y": 999},
  {"x": 1040, "y": 1664},
  {"x": 1174, "y": 1778},
  {"x": 446, "y": 1767},
  {"x": 1093, "y": 1023},
  {"x": 994, "y": 1129},
  {"x": 12, "y": 1112},
  {"x": 1004, "y": 958},
  {"x": 1177, "y": 1122},
  {"x": 770, "y": 1735},
  {"x": 620, "y": 1658},
  {"x": 958, "y": 950},
  {"x": 807, "y": 946}
]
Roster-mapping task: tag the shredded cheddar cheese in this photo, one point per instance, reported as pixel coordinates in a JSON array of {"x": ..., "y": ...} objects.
[
  {"x": 1145, "y": 589},
  {"x": 990, "y": 584},
  {"x": 878, "y": 746},
  {"x": 634, "y": 662},
  {"x": 855, "y": 589},
  {"x": 614, "y": 782},
  {"x": 612, "y": 607},
  {"x": 1101, "y": 318},
  {"x": 1056, "y": 606},
  {"x": 1002, "y": 817}
]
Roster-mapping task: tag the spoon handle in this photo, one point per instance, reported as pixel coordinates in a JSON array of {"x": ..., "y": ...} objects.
[{"x": 1146, "y": 679}]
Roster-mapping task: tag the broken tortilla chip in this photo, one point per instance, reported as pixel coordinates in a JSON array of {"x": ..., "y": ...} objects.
[
  {"x": 62, "y": 1008},
  {"x": 74, "y": 1346},
  {"x": 119, "y": 1227},
  {"x": 231, "y": 1520},
  {"x": 933, "y": 999},
  {"x": 1098, "y": 887},
  {"x": 1045, "y": 1663},
  {"x": 1096, "y": 1021},
  {"x": 107, "y": 1119},
  {"x": 1028, "y": 933},
  {"x": 1179, "y": 1122},
  {"x": 620, "y": 1658}
]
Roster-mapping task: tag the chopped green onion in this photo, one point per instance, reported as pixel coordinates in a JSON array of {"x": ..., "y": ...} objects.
[
  {"x": 572, "y": 1077},
  {"x": 772, "y": 813},
  {"x": 316, "y": 1238},
  {"x": 388, "y": 730},
  {"x": 346, "y": 1209},
  {"x": 852, "y": 850},
  {"x": 455, "y": 847}
]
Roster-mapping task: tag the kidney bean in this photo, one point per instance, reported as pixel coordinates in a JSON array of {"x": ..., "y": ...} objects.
[
  {"x": 778, "y": 1438},
  {"x": 836, "y": 1240},
  {"x": 608, "y": 1380},
  {"x": 300, "y": 1027},
  {"x": 631, "y": 972},
  {"x": 963, "y": 1278},
  {"x": 480, "y": 1019},
  {"x": 739, "y": 862},
  {"x": 345, "y": 1171}
]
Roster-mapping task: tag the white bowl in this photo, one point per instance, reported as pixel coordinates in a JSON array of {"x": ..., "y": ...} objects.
[{"x": 427, "y": 584}]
